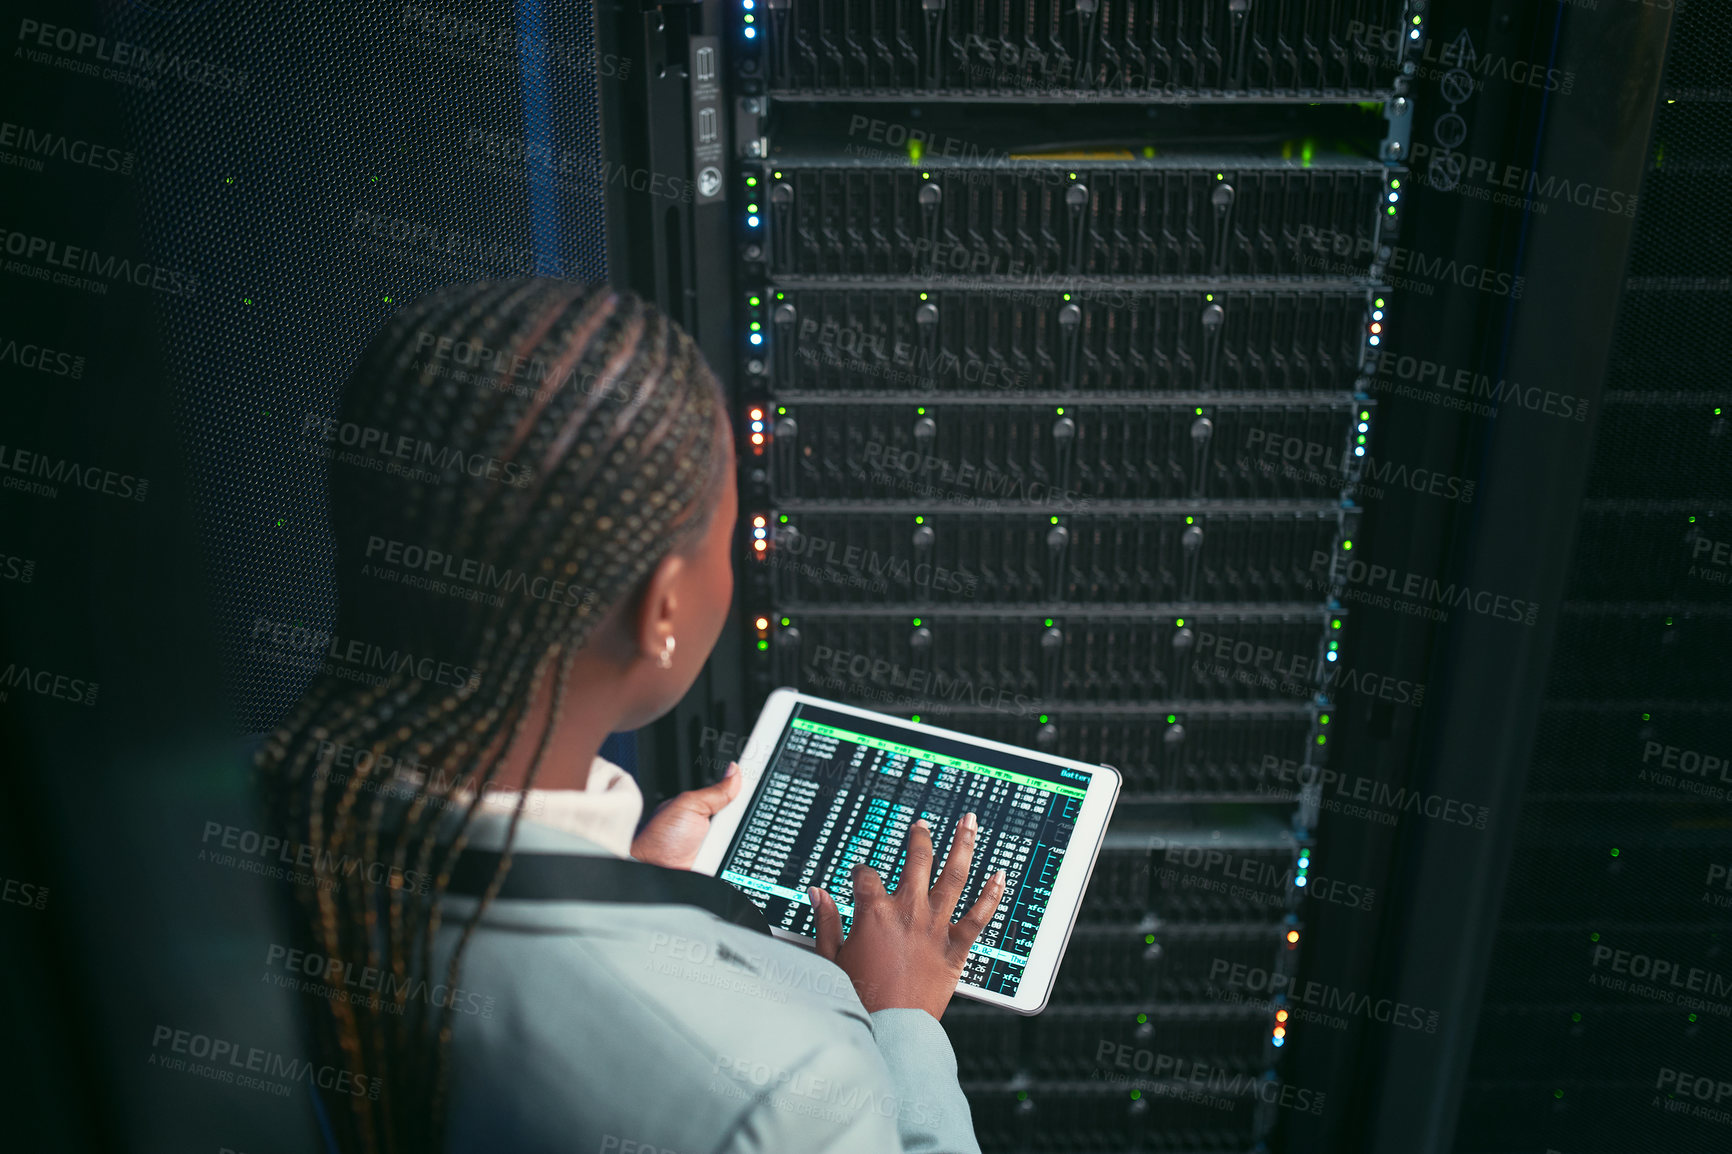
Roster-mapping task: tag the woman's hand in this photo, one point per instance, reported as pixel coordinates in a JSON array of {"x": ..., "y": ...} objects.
[
  {"x": 903, "y": 951},
  {"x": 673, "y": 836}
]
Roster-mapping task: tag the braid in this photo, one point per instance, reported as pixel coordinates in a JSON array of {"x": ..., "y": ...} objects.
[{"x": 597, "y": 420}]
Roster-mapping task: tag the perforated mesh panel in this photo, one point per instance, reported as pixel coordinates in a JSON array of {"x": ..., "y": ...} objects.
[
  {"x": 1618, "y": 835},
  {"x": 314, "y": 166}
]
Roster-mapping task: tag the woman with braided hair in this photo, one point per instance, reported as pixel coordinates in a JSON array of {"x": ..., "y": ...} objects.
[{"x": 543, "y": 501}]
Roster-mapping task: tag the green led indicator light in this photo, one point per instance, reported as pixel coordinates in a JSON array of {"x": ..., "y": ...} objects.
[
  {"x": 920, "y": 520},
  {"x": 1378, "y": 302},
  {"x": 1365, "y": 414},
  {"x": 1136, "y": 1094},
  {"x": 387, "y": 300},
  {"x": 1055, "y": 520},
  {"x": 751, "y": 182},
  {"x": 784, "y": 518},
  {"x": 1416, "y": 20},
  {"x": 1043, "y": 719},
  {"x": 922, "y": 296},
  {"x": 1148, "y": 939},
  {"x": 1179, "y": 622},
  {"x": 1614, "y": 851},
  {"x": 1362, "y": 438},
  {"x": 779, "y": 296},
  {"x": 1049, "y": 623},
  {"x": 1067, "y": 296},
  {"x": 1171, "y": 718},
  {"x": 1323, "y": 719},
  {"x": 756, "y": 326},
  {"x": 1141, "y": 1018},
  {"x": 1190, "y": 520},
  {"x": 1395, "y": 184},
  {"x": 1335, "y": 625},
  {"x": 1220, "y": 176},
  {"x": 1021, "y": 1095},
  {"x": 755, "y": 302},
  {"x": 785, "y": 621},
  {"x": 1594, "y": 937},
  {"x": 914, "y": 717},
  {"x": 1347, "y": 545},
  {"x": 1061, "y": 413},
  {"x": 1321, "y": 739},
  {"x": 1208, "y": 296},
  {"x": 279, "y": 522},
  {"x": 921, "y": 411},
  {"x": 1073, "y": 176},
  {"x": 1199, "y": 410},
  {"x": 781, "y": 411},
  {"x": 763, "y": 645},
  {"x": 249, "y": 300},
  {"x": 1557, "y": 1093},
  {"x": 917, "y": 621},
  {"x": 1645, "y": 717},
  {"x": 1576, "y": 1017}
]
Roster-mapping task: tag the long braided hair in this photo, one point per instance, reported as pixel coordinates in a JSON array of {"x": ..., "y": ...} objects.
[{"x": 530, "y": 450}]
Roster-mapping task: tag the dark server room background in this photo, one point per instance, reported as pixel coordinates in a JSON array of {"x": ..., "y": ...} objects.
[{"x": 1313, "y": 408}]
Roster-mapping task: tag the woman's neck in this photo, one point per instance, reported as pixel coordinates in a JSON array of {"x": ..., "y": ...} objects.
[{"x": 584, "y": 723}]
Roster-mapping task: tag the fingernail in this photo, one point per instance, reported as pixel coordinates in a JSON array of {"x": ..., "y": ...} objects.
[
  {"x": 920, "y": 823},
  {"x": 969, "y": 822},
  {"x": 733, "y": 768},
  {"x": 998, "y": 878},
  {"x": 814, "y": 895}
]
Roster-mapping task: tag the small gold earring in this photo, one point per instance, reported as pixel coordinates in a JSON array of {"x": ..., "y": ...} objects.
[{"x": 666, "y": 657}]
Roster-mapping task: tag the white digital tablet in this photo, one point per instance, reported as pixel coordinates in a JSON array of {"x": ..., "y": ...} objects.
[{"x": 829, "y": 785}]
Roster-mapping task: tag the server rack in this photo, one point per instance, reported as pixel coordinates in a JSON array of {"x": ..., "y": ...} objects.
[{"x": 1048, "y": 328}]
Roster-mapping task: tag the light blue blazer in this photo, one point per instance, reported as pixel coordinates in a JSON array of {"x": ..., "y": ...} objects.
[{"x": 611, "y": 1028}]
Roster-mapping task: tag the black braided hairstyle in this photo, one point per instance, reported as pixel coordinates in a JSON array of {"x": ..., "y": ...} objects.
[{"x": 548, "y": 443}]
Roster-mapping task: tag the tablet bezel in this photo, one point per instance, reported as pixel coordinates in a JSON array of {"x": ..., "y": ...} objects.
[{"x": 1035, "y": 989}]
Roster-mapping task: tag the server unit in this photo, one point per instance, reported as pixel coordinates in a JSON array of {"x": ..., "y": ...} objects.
[{"x": 1049, "y": 326}]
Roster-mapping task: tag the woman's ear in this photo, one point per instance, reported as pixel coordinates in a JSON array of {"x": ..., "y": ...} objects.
[{"x": 658, "y": 610}]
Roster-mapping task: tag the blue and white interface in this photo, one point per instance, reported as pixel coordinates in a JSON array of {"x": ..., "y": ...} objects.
[{"x": 841, "y": 789}]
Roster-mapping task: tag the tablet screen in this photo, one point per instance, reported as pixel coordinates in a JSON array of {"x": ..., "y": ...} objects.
[{"x": 840, "y": 789}]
